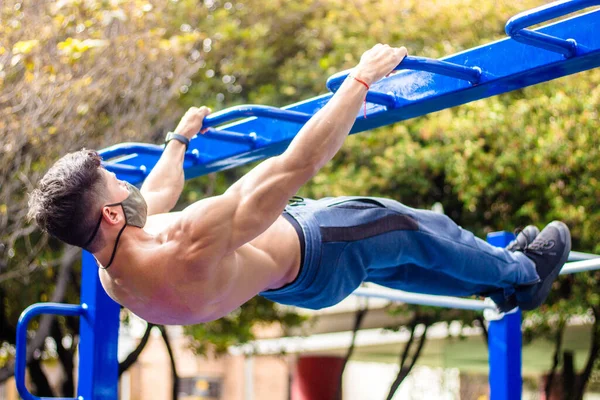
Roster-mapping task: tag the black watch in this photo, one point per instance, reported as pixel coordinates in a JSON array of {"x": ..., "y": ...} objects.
[{"x": 179, "y": 138}]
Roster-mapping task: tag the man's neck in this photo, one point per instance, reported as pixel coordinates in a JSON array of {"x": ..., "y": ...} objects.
[{"x": 103, "y": 256}]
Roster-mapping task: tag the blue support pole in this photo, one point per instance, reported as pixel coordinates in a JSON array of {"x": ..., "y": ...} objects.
[
  {"x": 98, "y": 362},
  {"x": 505, "y": 344}
]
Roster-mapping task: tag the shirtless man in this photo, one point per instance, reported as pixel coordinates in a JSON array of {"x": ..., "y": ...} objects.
[{"x": 200, "y": 264}]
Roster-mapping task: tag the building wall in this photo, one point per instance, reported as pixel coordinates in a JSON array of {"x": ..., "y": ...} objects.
[{"x": 241, "y": 377}]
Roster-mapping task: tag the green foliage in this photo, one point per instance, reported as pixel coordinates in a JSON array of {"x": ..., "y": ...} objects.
[{"x": 240, "y": 325}]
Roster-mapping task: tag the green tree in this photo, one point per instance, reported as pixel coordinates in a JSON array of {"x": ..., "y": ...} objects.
[{"x": 95, "y": 73}]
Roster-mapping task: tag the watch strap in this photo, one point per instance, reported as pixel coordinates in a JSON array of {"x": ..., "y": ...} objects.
[{"x": 179, "y": 138}]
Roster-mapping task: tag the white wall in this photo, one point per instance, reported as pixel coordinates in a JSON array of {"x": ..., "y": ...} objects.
[{"x": 372, "y": 381}]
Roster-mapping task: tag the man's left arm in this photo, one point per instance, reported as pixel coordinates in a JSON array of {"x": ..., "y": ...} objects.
[{"x": 164, "y": 184}]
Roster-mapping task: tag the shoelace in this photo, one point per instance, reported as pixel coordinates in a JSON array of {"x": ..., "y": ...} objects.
[
  {"x": 296, "y": 201},
  {"x": 539, "y": 246},
  {"x": 516, "y": 232}
]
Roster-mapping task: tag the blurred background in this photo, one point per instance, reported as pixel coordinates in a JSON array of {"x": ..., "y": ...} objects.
[{"x": 92, "y": 73}]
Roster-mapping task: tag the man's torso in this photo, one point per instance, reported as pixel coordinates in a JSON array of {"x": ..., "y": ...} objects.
[{"x": 158, "y": 283}]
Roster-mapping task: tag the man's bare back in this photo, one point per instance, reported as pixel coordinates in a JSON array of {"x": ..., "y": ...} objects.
[{"x": 171, "y": 291}]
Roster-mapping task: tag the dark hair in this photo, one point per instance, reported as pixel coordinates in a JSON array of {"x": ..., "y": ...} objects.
[{"x": 68, "y": 199}]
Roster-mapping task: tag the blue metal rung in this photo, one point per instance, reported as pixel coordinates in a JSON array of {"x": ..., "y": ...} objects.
[
  {"x": 30, "y": 312},
  {"x": 253, "y": 110},
  {"x": 471, "y": 74},
  {"x": 567, "y": 47},
  {"x": 251, "y": 139}
]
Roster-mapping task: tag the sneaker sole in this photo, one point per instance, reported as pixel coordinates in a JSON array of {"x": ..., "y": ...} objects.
[{"x": 543, "y": 292}]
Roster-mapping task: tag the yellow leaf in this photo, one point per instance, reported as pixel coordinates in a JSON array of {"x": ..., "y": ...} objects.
[
  {"x": 29, "y": 76},
  {"x": 52, "y": 130},
  {"x": 24, "y": 47},
  {"x": 3, "y": 208}
]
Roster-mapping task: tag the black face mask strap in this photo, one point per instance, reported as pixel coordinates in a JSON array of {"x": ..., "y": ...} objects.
[
  {"x": 98, "y": 226},
  {"x": 93, "y": 233},
  {"x": 118, "y": 236}
]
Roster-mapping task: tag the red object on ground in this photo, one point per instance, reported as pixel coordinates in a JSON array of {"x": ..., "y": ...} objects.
[{"x": 316, "y": 378}]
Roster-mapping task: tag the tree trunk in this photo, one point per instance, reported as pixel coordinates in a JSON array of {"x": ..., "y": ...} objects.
[
  {"x": 560, "y": 330},
  {"x": 133, "y": 356},
  {"x": 484, "y": 330},
  {"x": 66, "y": 359},
  {"x": 175, "y": 393},
  {"x": 404, "y": 369},
  {"x": 7, "y": 331},
  {"x": 38, "y": 377},
  {"x": 568, "y": 376},
  {"x": 592, "y": 356},
  {"x": 358, "y": 318}
]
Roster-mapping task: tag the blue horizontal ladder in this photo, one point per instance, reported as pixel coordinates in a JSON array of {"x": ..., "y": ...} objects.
[{"x": 525, "y": 58}]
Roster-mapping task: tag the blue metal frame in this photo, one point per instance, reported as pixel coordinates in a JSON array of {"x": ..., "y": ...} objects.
[
  {"x": 424, "y": 86},
  {"x": 98, "y": 337},
  {"x": 73, "y": 310},
  {"x": 567, "y": 47},
  {"x": 505, "y": 344},
  {"x": 505, "y": 65}
]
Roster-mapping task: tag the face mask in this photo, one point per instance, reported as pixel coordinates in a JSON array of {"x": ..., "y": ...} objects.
[{"x": 135, "y": 210}]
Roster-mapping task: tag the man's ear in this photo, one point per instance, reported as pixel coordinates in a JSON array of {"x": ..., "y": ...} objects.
[{"x": 111, "y": 214}]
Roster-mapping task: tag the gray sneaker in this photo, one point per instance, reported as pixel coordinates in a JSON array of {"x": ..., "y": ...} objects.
[
  {"x": 549, "y": 251},
  {"x": 523, "y": 239}
]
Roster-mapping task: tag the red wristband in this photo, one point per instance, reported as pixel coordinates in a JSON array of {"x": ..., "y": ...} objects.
[
  {"x": 367, "y": 86},
  {"x": 361, "y": 81}
]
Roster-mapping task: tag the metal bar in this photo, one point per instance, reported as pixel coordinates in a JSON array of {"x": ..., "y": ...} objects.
[
  {"x": 384, "y": 99},
  {"x": 424, "y": 299},
  {"x": 254, "y": 110},
  {"x": 579, "y": 256},
  {"x": 581, "y": 266},
  {"x": 98, "y": 337},
  {"x": 567, "y": 47},
  {"x": 125, "y": 169},
  {"x": 471, "y": 74},
  {"x": 504, "y": 344},
  {"x": 73, "y": 310},
  {"x": 124, "y": 149},
  {"x": 251, "y": 139},
  {"x": 505, "y": 357}
]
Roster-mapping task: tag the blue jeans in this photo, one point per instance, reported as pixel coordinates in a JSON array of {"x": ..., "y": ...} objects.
[{"x": 350, "y": 240}]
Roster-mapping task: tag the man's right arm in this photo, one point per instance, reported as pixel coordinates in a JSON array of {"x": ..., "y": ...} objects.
[{"x": 253, "y": 203}]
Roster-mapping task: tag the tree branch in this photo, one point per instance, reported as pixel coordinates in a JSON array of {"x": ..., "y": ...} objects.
[
  {"x": 592, "y": 356},
  {"x": 175, "y": 393},
  {"x": 403, "y": 358},
  {"x": 358, "y": 318},
  {"x": 560, "y": 329},
  {"x": 133, "y": 356},
  {"x": 481, "y": 321},
  {"x": 40, "y": 381},
  {"x": 66, "y": 360}
]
